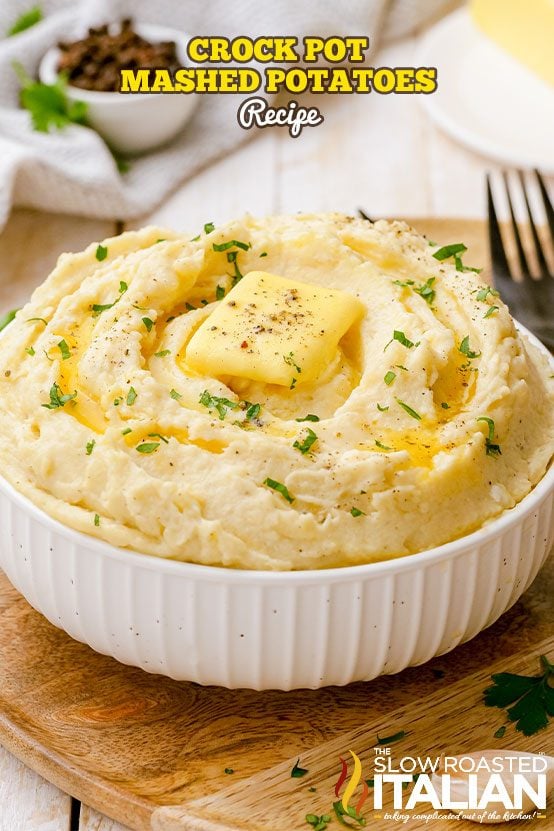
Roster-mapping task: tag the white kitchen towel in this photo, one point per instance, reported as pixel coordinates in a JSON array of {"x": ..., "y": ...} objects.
[{"x": 72, "y": 171}]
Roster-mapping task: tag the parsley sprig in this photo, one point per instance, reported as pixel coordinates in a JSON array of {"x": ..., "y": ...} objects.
[
  {"x": 25, "y": 20},
  {"x": 48, "y": 104},
  {"x": 531, "y": 697}
]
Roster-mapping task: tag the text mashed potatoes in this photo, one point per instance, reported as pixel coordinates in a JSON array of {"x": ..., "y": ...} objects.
[{"x": 287, "y": 393}]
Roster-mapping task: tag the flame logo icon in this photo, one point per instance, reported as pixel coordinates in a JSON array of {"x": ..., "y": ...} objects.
[{"x": 351, "y": 786}]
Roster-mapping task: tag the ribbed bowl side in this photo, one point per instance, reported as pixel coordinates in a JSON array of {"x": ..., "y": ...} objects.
[{"x": 267, "y": 632}]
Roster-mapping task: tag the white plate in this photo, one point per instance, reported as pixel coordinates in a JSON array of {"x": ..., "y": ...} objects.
[{"x": 485, "y": 98}]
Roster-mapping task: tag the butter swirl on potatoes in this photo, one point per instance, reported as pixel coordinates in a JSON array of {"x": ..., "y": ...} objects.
[{"x": 287, "y": 393}]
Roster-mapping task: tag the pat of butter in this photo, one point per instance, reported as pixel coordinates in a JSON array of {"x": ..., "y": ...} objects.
[
  {"x": 524, "y": 29},
  {"x": 274, "y": 330}
]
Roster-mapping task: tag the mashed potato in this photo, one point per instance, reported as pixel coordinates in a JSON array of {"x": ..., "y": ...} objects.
[{"x": 356, "y": 398}]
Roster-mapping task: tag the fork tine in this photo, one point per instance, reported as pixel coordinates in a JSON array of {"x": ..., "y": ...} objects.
[
  {"x": 498, "y": 253},
  {"x": 523, "y": 264},
  {"x": 543, "y": 267},
  {"x": 548, "y": 208}
]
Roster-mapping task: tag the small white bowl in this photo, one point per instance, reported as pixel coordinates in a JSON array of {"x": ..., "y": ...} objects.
[
  {"x": 132, "y": 123},
  {"x": 274, "y": 630}
]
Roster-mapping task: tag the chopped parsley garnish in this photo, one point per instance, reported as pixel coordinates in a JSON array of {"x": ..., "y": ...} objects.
[
  {"x": 444, "y": 405},
  {"x": 305, "y": 446},
  {"x": 126, "y": 431},
  {"x": 98, "y": 308},
  {"x": 131, "y": 396},
  {"x": 101, "y": 252},
  {"x": 176, "y": 395},
  {"x": 159, "y": 436},
  {"x": 90, "y": 446},
  {"x": 482, "y": 294},
  {"x": 499, "y": 734},
  {"x": 25, "y": 21},
  {"x": 382, "y": 409},
  {"x": 389, "y": 377},
  {"x": 189, "y": 307},
  {"x": 390, "y": 739},
  {"x": 33, "y": 319},
  {"x": 48, "y": 104},
  {"x": 58, "y": 399},
  {"x": 163, "y": 353},
  {"x": 426, "y": 290},
  {"x": 461, "y": 267},
  {"x": 215, "y": 402},
  {"x": 252, "y": 410},
  {"x": 449, "y": 251},
  {"x": 232, "y": 258},
  {"x": 219, "y": 292},
  {"x": 490, "y": 311},
  {"x": 64, "y": 349},
  {"x": 160, "y": 239},
  {"x": 531, "y": 697},
  {"x": 148, "y": 323},
  {"x": 401, "y": 338},
  {"x": 148, "y": 447},
  {"x": 411, "y": 412},
  {"x": 491, "y": 448},
  {"x": 455, "y": 250},
  {"x": 464, "y": 348},
  {"x": 289, "y": 359},
  {"x": 30, "y": 351},
  {"x": 298, "y": 772},
  {"x": 280, "y": 488},
  {"x": 263, "y": 254},
  {"x": 309, "y": 417},
  {"x": 8, "y": 317},
  {"x": 356, "y": 512},
  {"x": 228, "y": 770},
  {"x": 117, "y": 401},
  {"x": 232, "y": 243},
  {"x": 96, "y": 520},
  {"x": 382, "y": 446},
  {"x": 209, "y": 227}
]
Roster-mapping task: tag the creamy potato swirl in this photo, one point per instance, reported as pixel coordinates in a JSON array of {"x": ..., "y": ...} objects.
[{"x": 434, "y": 416}]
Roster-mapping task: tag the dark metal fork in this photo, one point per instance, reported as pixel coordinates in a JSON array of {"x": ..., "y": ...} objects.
[{"x": 531, "y": 299}]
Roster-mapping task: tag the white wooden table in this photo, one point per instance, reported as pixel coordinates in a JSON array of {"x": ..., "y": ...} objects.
[{"x": 376, "y": 152}]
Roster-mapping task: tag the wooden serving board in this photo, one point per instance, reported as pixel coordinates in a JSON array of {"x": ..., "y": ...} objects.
[{"x": 152, "y": 753}]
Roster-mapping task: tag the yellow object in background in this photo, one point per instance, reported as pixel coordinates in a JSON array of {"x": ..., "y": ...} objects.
[
  {"x": 524, "y": 28},
  {"x": 273, "y": 330}
]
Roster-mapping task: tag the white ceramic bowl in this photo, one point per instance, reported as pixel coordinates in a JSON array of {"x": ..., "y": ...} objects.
[
  {"x": 274, "y": 630},
  {"x": 132, "y": 123}
]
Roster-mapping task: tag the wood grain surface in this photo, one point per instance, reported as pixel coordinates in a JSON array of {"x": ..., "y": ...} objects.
[{"x": 147, "y": 750}]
